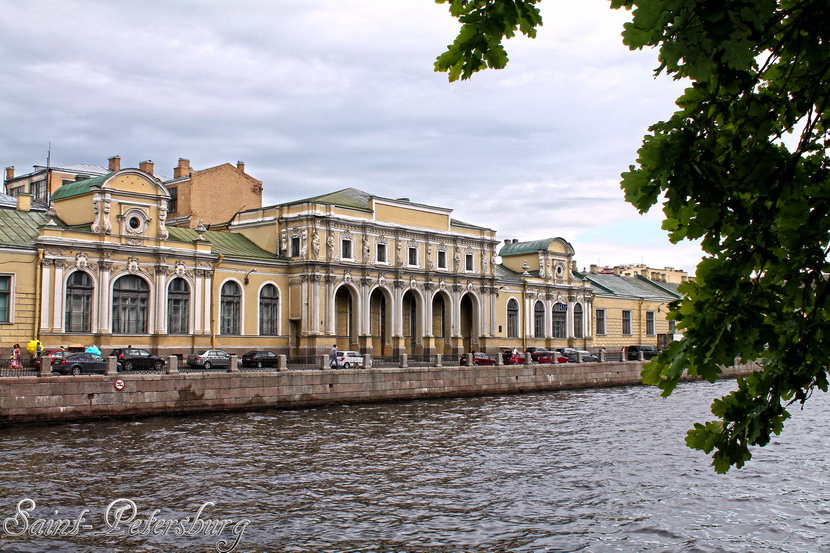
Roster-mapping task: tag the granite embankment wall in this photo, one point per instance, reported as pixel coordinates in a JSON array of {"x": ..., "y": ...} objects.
[{"x": 63, "y": 398}]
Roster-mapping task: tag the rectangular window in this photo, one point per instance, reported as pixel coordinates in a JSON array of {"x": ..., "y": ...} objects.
[
  {"x": 295, "y": 246},
  {"x": 672, "y": 325},
  {"x": 5, "y": 298},
  {"x": 345, "y": 249},
  {"x": 173, "y": 204},
  {"x": 381, "y": 253},
  {"x": 600, "y": 322},
  {"x": 39, "y": 190},
  {"x": 468, "y": 262},
  {"x": 650, "y": 323},
  {"x": 442, "y": 259},
  {"x": 413, "y": 256},
  {"x": 626, "y": 323}
]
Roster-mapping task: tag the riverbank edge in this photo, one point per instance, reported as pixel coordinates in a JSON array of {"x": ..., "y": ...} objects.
[{"x": 34, "y": 399}]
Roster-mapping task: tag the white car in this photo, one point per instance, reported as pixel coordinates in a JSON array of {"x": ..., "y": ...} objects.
[{"x": 349, "y": 359}]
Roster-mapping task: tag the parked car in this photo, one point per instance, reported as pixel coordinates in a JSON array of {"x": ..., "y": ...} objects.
[
  {"x": 208, "y": 358},
  {"x": 632, "y": 352},
  {"x": 587, "y": 356},
  {"x": 478, "y": 359},
  {"x": 349, "y": 359},
  {"x": 80, "y": 363},
  {"x": 537, "y": 352},
  {"x": 573, "y": 355},
  {"x": 135, "y": 358},
  {"x": 260, "y": 359},
  {"x": 54, "y": 356},
  {"x": 507, "y": 356}
]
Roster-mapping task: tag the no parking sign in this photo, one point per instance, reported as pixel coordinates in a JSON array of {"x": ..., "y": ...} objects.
[{"x": 119, "y": 384}]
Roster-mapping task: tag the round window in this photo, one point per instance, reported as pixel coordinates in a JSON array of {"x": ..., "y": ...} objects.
[
  {"x": 560, "y": 270},
  {"x": 135, "y": 223}
]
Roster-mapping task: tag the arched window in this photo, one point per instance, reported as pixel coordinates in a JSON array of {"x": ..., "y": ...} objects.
[
  {"x": 268, "y": 312},
  {"x": 229, "y": 309},
  {"x": 512, "y": 319},
  {"x": 178, "y": 306},
  {"x": 560, "y": 316},
  {"x": 78, "y": 302},
  {"x": 539, "y": 320},
  {"x": 578, "y": 320},
  {"x": 130, "y": 297}
]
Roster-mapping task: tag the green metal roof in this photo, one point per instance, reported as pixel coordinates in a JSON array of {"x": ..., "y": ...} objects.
[
  {"x": 78, "y": 188},
  {"x": 21, "y": 228},
  {"x": 225, "y": 243},
  {"x": 348, "y": 197},
  {"x": 632, "y": 287},
  {"x": 521, "y": 248}
]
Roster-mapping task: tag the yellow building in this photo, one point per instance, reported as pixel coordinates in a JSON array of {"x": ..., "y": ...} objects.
[{"x": 381, "y": 275}]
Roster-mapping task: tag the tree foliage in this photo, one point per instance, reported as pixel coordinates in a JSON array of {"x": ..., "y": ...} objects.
[{"x": 743, "y": 167}]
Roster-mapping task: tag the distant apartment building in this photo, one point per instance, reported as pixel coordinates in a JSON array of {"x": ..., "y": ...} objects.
[{"x": 666, "y": 274}]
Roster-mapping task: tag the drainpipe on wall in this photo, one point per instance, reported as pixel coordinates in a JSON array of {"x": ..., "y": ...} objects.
[
  {"x": 524, "y": 317},
  {"x": 38, "y": 299},
  {"x": 213, "y": 307}
]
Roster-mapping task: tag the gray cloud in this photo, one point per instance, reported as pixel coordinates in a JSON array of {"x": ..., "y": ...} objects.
[{"x": 320, "y": 95}]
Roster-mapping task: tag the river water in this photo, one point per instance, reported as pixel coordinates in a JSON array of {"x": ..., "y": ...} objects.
[{"x": 585, "y": 470}]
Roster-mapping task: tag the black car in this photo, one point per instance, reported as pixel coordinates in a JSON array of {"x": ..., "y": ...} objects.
[
  {"x": 80, "y": 363},
  {"x": 539, "y": 351},
  {"x": 134, "y": 358},
  {"x": 632, "y": 353},
  {"x": 260, "y": 359}
]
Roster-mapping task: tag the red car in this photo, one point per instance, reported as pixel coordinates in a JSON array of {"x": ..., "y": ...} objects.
[
  {"x": 507, "y": 357},
  {"x": 54, "y": 357},
  {"x": 478, "y": 359}
]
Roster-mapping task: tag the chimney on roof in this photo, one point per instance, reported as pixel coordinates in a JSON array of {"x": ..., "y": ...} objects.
[
  {"x": 506, "y": 241},
  {"x": 594, "y": 269},
  {"x": 240, "y": 165},
  {"x": 114, "y": 163},
  {"x": 10, "y": 172},
  {"x": 146, "y": 166},
  {"x": 515, "y": 240},
  {"x": 24, "y": 202},
  {"x": 183, "y": 169}
]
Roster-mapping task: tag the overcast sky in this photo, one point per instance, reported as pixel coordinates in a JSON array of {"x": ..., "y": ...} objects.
[{"x": 319, "y": 95}]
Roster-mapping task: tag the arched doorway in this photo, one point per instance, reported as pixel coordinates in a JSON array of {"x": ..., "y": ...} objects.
[
  {"x": 467, "y": 324},
  {"x": 345, "y": 316},
  {"x": 413, "y": 339},
  {"x": 379, "y": 328},
  {"x": 441, "y": 330}
]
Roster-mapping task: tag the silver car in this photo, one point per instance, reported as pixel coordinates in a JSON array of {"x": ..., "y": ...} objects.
[{"x": 208, "y": 358}]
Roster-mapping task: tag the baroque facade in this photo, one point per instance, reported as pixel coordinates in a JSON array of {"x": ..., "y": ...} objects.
[{"x": 103, "y": 265}]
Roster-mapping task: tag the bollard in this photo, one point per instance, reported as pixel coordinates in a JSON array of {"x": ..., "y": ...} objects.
[
  {"x": 602, "y": 355},
  {"x": 528, "y": 358},
  {"x": 438, "y": 360},
  {"x": 45, "y": 366},
  {"x": 367, "y": 361},
  {"x": 172, "y": 364},
  {"x": 233, "y": 365},
  {"x": 499, "y": 359},
  {"x": 112, "y": 365},
  {"x": 282, "y": 362},
  {"x": 640, "y": 356},
  {"x": 470, "y": 359},
  {"x": 579, "y": 357},
  {"x": 324, "y": 362},
  {"x": 404, "y": 361}
]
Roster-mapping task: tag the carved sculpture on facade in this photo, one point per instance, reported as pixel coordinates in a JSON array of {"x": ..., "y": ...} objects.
[{"x": 315, "y": 244}]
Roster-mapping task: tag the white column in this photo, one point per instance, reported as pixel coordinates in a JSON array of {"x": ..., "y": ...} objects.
[
  {"x": 208, "y": 295},
  {"x": 46, "y": 295},
  {"x": 58, "y": 299},
  {"x": 104, "y": 303},
  {"x": 161, "y": 303},
  {"x": 196, "y": 317}
]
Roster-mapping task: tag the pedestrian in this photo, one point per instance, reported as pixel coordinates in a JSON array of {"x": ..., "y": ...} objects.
[
  {"x": 515, "y": 358},
  {"x": 17, "y": 362},
  {"x": 333, "y": 357}
]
